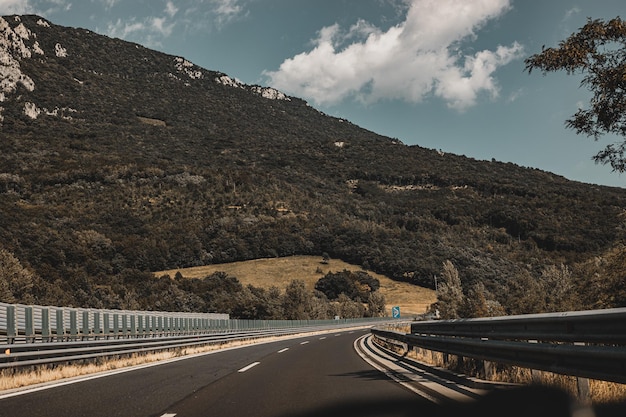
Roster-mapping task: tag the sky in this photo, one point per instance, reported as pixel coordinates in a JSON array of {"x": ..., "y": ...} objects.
[{"x": 442, "y": 74}]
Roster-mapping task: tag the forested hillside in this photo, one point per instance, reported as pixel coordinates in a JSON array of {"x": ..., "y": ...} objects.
[{"x": 117, "y": 161}]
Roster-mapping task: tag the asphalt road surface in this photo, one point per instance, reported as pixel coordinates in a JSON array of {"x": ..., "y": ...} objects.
[{"x": 306, "y": 376}]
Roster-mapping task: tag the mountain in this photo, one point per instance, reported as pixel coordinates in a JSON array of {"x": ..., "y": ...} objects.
[{"x": 117, "y": 161}]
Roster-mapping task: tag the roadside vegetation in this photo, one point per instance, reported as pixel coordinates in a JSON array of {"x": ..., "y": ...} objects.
[{"x": 266, "y": 273}]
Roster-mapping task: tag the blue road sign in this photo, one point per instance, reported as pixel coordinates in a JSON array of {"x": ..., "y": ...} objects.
[{"x": 395, "y": 312}]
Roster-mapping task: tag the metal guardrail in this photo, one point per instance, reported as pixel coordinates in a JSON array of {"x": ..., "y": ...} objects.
[
  {"x": 29, "y": 354},
  {"x": 586, "y": 344},
  {"x": 39, "y": 335}
]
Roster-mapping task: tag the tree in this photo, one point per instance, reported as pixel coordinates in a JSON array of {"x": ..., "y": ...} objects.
[
  {"x": 350, "y": 309},
  {"x": 376, "y": 304},
  {"x": 325, "y": 258},
  {"x": 356, "y": 285},
  {"x": 598, "y": 51},
  {"x": 524, "y": 294},
  {"x": 297, "y": 301},
  {"x": 16, "y": 282},
  {"x": 449, "y": 292},
  {"x": 479, "y": 302},
  {"x": 558, "y": 289}
]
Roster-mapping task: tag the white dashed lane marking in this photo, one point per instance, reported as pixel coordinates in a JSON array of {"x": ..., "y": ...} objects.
[{"x": 245, "y": 368}]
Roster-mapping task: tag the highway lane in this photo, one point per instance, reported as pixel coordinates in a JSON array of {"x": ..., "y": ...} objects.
[
  {"x": 309, "y": 375},
  {"x": 322, "y": 375}
]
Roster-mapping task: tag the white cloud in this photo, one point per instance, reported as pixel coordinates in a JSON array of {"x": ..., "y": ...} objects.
[
  {"x": 44, "y": 8},
  {"x": 122, "y": 29},
  {"x": 161, "y": 26},
  {"x": 108, "y": 4},
  {"x": 171, "y": 9},
  {"x": 149, "y": 31},
  {"x": 418, "y": 57},
  {"x": 226, "y": 10},
  {"x": 515, "y": 95},
  {"x": 10, "y": 7},
  {"x": 571, "y": 13},
  {"x": 569, "y": 18}
]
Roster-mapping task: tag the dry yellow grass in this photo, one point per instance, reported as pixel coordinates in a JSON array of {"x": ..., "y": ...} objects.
[{"x": 278, "y": 272}]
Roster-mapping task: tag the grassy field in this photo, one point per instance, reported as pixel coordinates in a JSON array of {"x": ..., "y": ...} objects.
[{"x": 279, "y": 272}]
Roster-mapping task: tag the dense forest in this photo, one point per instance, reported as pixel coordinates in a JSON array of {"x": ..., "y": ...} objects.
[{"x": 117, "y": 161}]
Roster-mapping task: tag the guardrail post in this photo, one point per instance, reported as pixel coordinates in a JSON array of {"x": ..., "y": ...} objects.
[
  {"x": 73, "y": 325},
  {"x": 106, "y": 325},
  {"x": 96, "y": 324},
  {"x": 140, "y": 328},
  {"x": 166, "y": 326},
  {"x": 152, "y": 325},
  {"x": 29, "y": 327},
  {"x": 116, "y": 325},
  {"x": 489, "y": 370},
  {"x": 124, "y": 325},
  {"x": 60, "y": 330},
  {"x": 11, "y": 324},
  {"x": 584, "y": 392},
  {"x": 535, "y": 375},
  {"x": 86, "y": 329},
  {"x": 459, "y": 363},
  {"x": 133, "y": 325},
  {"x": 45, "y": 324},
  {"x": 582, "y": 386}
]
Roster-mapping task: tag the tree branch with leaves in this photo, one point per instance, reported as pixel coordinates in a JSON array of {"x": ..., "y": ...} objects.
[{"x": 598, "y": 51}]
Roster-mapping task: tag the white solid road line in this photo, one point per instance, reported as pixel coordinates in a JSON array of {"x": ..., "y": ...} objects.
[
  {"x": 283, "y": 350},
  {"x": 245, "y": 368}
]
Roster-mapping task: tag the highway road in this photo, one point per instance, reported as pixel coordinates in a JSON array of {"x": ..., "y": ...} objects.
[{"x": 312, "y": 375}]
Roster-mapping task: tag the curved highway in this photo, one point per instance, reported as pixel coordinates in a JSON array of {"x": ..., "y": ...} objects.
[{"x": 305, "y": 376}]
